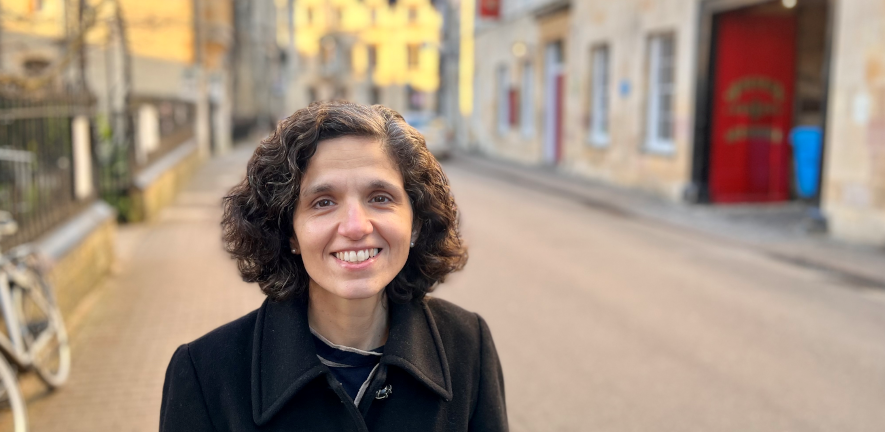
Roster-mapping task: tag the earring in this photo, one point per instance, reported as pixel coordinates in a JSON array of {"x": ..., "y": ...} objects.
[
  {"x": 412, "y": 244},
  {"x": 294, "y": 251}
]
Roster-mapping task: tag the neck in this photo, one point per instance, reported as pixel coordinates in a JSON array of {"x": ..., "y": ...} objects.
[{"x": 356, "y": 323}]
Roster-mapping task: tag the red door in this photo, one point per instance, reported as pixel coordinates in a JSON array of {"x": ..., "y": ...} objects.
[{"x": 752, "y": 107}]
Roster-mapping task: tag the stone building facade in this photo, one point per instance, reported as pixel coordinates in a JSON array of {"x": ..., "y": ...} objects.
[
  {"x": 854, "y": 170},
  {"x": 371, "y": 51},
  {"x": 694, "y": 100}
]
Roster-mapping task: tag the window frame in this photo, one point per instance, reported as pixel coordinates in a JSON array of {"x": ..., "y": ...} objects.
[
  {"x": 502, "y": 96},
  {"x": 527, "y": 100},
  {"x": 371, "y": 57},
  {"x": 658, "y": 139},
  {"x": 413, "y": 55},
  {"x": 599, "y": 127}
]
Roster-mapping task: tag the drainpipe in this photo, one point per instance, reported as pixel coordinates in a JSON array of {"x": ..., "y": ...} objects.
[{"x": 202, "y": 121}]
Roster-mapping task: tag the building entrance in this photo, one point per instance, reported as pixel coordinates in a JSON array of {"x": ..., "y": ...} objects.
[
  {"x": 753, "y": 105},
  {"x": 553, "y": 98},
  {"x": 767, "y": 77}
]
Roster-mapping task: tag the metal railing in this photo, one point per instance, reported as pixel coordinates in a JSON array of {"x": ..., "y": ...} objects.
[{"x": 37, "y": 162}]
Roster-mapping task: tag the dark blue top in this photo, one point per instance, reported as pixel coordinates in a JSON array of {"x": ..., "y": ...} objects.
[{"x": 350, "y": 366}]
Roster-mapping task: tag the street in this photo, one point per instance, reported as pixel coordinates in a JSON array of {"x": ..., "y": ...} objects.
[{"x": 602, "y": 322}]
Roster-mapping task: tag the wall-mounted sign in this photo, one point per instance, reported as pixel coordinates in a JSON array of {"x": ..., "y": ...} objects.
[
  {"x": 489, "y": 8},
  {"x": 624, "y": 88}
]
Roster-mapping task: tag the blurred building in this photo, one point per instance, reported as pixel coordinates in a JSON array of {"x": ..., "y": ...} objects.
[
  {"x": 370, "y": 51},
  {"x": 105, "y": 102},
  {"x": 694, "y": 100},
  {"x": 258, "y": 62}
]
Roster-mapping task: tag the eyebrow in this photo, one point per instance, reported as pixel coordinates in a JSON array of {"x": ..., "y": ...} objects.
[
  {"x": 328, "y": 187},
  {"x": 318, "y": 189},
  {"x": 381, "y": 184}
]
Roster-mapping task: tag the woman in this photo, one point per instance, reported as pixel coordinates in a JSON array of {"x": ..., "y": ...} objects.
[{"x": 346, "y": 222}]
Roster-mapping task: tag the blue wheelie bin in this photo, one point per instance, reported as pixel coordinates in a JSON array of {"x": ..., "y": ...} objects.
[{"x": 807, "y": 148}]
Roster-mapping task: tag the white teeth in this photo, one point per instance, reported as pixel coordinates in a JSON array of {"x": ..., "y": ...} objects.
[{"x": 356, "y": 256}]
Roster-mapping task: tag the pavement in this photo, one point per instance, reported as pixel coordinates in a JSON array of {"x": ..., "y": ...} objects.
[
  {"x": 173, "y": 283},
  {"x": 783, "y": 231},
  {"x": 614, "y": 312},
  {"x": 611, "y": 310}
]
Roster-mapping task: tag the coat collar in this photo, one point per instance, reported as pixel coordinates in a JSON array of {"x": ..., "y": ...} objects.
[{"x": 284, "y": 359}]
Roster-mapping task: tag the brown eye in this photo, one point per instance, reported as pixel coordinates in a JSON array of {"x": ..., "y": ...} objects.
[
  {"x": 323, "y": 203},
  {"x": 380, "y": 199}
]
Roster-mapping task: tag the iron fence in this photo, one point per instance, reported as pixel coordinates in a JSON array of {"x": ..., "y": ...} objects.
[
  {"x": 37, "y": 162},
  {"x": 37, "y": 169}
]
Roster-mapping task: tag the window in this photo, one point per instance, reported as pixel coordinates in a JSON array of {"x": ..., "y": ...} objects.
[
  {"x": 413, "y": 56},
  {"x": 527, "y": 119},
  {"x": 599, "y": 96},
  {"x": 503, "y": 98},
  {"x": 327, "y": 51},
  {"x": 35, "y": 65},
  {"x": 417, "y": 99},
  {"x": 413, "y": 14},
  {"x": 659, "y": 115},
  {"x": 373, "y": 57}
]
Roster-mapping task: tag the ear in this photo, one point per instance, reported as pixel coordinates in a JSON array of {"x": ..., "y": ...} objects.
[
  {"x": 416, "y": 231},
  {"x": 293, "y": 242}
]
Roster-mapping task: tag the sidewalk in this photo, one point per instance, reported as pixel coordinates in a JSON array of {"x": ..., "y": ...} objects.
[
  {"x": 774, "y": 230},
  {"x": 173, "y": 284}
]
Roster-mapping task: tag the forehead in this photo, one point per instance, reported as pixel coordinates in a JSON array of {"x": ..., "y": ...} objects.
[{"x": 350, "y": 158}]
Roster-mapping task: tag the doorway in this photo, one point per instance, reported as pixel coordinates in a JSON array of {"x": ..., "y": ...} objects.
[
  {"x": 766, "y": 74},
  {"x": 554, "y": 83}
]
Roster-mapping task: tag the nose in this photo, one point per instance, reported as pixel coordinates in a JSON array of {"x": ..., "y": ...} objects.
[{"x": 356, "y": 223}]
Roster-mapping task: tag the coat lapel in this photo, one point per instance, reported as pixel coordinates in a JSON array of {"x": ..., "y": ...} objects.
[
  {"x": 284, "y": 358},
  {"x": 414, "y": 345}
]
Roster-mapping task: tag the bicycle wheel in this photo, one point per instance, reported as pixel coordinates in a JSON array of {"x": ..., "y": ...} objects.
[
  {"x": 13, "y": 412},
  {"x": 42, "y": 328}
]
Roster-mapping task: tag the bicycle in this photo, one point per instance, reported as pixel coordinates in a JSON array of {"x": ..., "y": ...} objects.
[{"x": 35, "y": 337}]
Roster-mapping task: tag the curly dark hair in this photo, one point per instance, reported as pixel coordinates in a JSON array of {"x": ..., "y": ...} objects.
[{"x": 258, "y": 212}]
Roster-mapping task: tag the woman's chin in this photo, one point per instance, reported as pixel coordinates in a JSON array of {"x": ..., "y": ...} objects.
[{"x": 355, "y": 291}]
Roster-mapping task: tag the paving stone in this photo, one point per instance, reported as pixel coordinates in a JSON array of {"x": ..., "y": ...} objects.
[{"x": 174, "y": 284}]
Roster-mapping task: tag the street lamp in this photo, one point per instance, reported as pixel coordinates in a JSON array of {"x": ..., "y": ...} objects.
[{"x": 519, "y": 49}]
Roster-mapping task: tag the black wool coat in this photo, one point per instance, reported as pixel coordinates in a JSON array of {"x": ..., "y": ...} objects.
[{"x": 261, "y": 373}]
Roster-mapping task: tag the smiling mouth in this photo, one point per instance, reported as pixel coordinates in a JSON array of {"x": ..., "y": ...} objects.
[{"x": 357, "y": 256}]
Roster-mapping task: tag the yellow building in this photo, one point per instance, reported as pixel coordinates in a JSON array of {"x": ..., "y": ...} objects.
[
  {"x": 160, "y": 38},
  {"x": 368, "y": 51},
  {"x": 42, "y": 40}
]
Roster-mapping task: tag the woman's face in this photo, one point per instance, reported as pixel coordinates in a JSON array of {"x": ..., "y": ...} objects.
[{"x": 353, "y": 222}]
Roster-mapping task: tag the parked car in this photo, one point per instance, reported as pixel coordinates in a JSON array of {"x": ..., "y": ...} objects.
[{"x": 437, "y": 134}]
